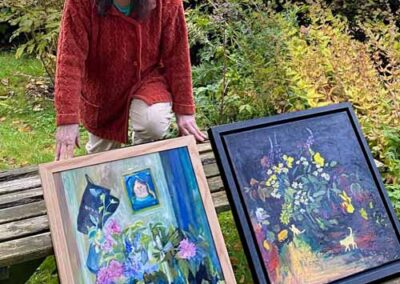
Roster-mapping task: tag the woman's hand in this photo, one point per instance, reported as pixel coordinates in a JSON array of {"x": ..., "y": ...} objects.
[
  {"x": 187, "y": 126},
  {"x": 67, "y": 136}
]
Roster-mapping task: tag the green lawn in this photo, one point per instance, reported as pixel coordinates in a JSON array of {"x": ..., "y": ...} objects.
[
  {"x": 27, "y": 138},
  {"x": 26, "y": 123}
]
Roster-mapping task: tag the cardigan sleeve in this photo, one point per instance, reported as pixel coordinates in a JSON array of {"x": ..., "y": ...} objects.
[
  {"x": 176, "y": 57},
  {"x": 73, "y": 45}
]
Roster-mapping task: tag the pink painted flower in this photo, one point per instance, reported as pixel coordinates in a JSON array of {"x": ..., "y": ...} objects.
[
  {"x": 187, "y": 249},
  {"x": 116, "y": 269},
  {"x": 109, "y": 274},
  {"x": 108, "y": 244},
  {"x": 112, "y": 227}
]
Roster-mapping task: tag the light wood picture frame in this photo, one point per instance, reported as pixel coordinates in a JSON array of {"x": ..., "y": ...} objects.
[{"x": 96, "y": 236}]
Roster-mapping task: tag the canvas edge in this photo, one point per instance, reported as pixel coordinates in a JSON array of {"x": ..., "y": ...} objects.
[
  {"x": 212, "y": 216},
  {"x": 238, "y": 213},
  {"x": 59, "y": 242}
]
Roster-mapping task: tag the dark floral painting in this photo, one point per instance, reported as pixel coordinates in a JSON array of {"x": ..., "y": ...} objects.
[{"x": 314, "y": 206}]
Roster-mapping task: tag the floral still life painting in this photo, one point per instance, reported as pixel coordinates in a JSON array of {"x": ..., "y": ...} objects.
[
  {"x": 140, "y": 219},
  {"x": 311, "y": 200}
]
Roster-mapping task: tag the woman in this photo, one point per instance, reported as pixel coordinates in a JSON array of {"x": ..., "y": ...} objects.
[{"x": 121, "y": 61}]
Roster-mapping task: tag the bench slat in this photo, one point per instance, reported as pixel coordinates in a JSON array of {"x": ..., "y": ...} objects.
[
  {"x": 19, "y": 184},
  {"x": 21, "y": 212},
  {"x": 20, "y": 198},
  {"x": 25, "y": 249},
  {"x": 23, "y": 228},
  {"x": 18, "y": 173}
]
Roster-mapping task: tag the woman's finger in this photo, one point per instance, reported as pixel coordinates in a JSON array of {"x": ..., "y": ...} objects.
[
  {"x": 200, "y": 132},
  {"x": 183, "y": 131},
  {"x": 194, "y": 131},
  {"x": 63, "y": 151},
  {"x": 70, "y": 151},
  {"x": 57, "y": 153}
]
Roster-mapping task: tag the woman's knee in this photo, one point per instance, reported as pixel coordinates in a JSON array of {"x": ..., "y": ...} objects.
[{"x": 152, "y": 123}]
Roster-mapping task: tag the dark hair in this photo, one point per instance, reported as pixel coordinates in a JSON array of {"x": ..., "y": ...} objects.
[{"x": 141, "y": 8}]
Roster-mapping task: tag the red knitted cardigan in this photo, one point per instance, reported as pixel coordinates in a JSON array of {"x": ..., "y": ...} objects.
[{"x": 104, "y": 62}]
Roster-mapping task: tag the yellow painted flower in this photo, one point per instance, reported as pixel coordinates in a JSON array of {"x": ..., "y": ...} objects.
[
  {"x": 282, "y": 235},
  {"x": 363, "y": 213},
  {"x": 266, "y": 245},
  {"x": 289, "y": 162},
  {"x": 319, "y": 160},
  {"x": 347, "y": 204}
]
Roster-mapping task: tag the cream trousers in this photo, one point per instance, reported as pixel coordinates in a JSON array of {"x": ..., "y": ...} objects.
[{"x": 148, "y": 123}]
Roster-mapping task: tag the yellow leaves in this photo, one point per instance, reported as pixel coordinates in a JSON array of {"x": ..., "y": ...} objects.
[
  {"x": 266, "y": 245},
  {"x": 289, "y": 161},
  {"x": 346, "y": 204},
  {"x": 318, "y": 159},
  {"x": 363, "y": 213},
  {"x": 282, "y": 235}
]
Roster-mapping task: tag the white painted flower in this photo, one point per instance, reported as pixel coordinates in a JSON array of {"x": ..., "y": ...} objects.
[
  {"x": 318, "y": 166},
  {"x": 300, "y": 185},
  {"x": 302, "y": 159},
  {"x": 269, "y": 172},
  {"x": 297, "y": 162},
  {"x": 285, "y": 170},
  {"x": 302, "y": 211},
  {"x": 295, "y": 184},
  {"x": 261, "y": 214},
  {"x": 305, "y": 163},
  {"x": 320, "y": 170},
  {"x": 315, "y": 173},
  {"x": 327, "y": 177},
  {"x": 296, "y": 202}
]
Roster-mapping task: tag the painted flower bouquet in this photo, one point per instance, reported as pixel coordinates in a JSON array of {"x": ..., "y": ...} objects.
[
  {"x": 304, "y": 199},
  {"x": 144, "y": 253}
]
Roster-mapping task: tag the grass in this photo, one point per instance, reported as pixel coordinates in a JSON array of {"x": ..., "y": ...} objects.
[
  {"x": 26, "y": 123},
  {"x": 27, "y": 129}
]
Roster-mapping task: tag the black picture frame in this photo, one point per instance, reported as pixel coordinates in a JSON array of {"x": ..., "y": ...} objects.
[{"x": 217, "y": 136}]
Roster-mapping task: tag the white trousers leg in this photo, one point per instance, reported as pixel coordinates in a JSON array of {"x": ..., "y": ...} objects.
[{"x": 149, "y": 123}]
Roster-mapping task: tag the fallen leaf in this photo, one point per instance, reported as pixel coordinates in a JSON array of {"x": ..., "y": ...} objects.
[
  {"x": 242, "y": 279},
  {"x": 5, "y": 82},
  {"x": 2, "y": 119},
  {"x": 37, "y": 108}
]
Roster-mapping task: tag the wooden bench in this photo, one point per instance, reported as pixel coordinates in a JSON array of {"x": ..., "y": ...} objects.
[{"x": 24, "y": 227}]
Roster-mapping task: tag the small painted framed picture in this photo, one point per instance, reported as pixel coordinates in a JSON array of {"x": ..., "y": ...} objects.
[
  {"x": 308, "y": 199},
  {"x": 141, "y": 190},
  {"x": 142, "y": 214}
]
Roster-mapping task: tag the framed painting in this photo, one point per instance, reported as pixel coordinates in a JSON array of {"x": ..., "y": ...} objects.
[
  {"x": 142, "y": 214},
  {"x": 308, "y": 200}
]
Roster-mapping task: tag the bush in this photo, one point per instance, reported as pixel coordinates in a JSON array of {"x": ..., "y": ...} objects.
[
  {"x": 38, "y": 21},
  {"x": 256, "y": 62}
]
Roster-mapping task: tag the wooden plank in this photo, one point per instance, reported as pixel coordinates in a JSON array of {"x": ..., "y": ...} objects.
[
  {"x": 18, "y": 173},
  {"x": 23, "y": 228},
  {"x": 220, "y": 200},
  {"x": 204, "y": 147},
  {"x": 215, "y": 184},
  {"x": 19, "y": 184},
  {"x": 25, "y": 249},
  {"x": 211, "y": 170},
  {"x": 21, "y": 197},
  {"x": 21, "y": 212}
]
